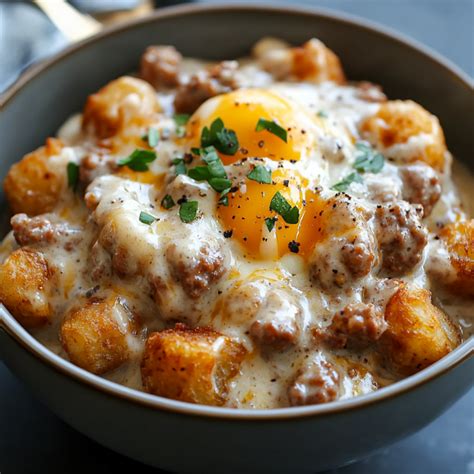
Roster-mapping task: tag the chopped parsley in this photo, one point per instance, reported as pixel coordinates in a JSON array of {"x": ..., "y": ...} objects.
[
  {"x": 214, "y": 172},
  {"x": 272, "y": 127},
  {"x": 224, "y": 200},
  {"x": 181, "y": 120},
  {"x": 281, "y": 206},
  {"x": 167, "y": 202},
  {"x": 270, "y": 223},
  {"x": 261, "y": 175},
  {"x": 138, "y": 160},
  {"x": 292, "y": 216},
  {"x": 322, "y": 114},
  {"x": 152, "y": 137},
  {"x": 72, "y": 174},
  {"x": 367, "y": 159},
  {"x": 347, "y": 181},
  {"x": 199, "y": 173},
  {"x": 188, "y": 211},
  {"x": 146, "y": 218},
  {"x": 220, "y": 184},
  {"x": 223, "y": 139},
  {"x": 180, "y": 167}
]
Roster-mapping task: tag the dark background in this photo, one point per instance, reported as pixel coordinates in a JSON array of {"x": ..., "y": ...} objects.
[{"x": 33, "y": 440}]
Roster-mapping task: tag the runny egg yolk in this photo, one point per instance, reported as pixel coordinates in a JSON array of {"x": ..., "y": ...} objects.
[
  {"x": 241, "y": 110},
  {"x": 248, "y": 208}
]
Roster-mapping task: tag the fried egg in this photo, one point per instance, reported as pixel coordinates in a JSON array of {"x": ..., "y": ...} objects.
[
  {"x": 296, "y": 164},
  {"x": 242, "y": 109}
]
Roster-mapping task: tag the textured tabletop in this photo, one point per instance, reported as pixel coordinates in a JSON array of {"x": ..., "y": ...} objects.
[{"x": 33, "y": 440}]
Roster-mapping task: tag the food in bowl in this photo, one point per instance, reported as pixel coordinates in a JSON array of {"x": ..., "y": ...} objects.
[{"x": 257, "y": 233}]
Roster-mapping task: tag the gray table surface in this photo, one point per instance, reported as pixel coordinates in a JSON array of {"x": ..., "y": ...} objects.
[{"x": 33, "y": 440}]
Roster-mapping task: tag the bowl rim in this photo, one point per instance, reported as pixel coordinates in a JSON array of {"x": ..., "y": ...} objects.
[{"x": 21, "y": 336}]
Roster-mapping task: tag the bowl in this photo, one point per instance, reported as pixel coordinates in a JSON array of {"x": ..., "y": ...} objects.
[{"x": 190, "y": 438}]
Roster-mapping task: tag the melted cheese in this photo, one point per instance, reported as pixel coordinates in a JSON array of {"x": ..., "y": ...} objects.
[{"x": 229, "y": 306}]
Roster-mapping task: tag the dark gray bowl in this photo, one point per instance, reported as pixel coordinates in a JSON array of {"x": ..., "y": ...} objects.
[{"x": 183, "y": 437}]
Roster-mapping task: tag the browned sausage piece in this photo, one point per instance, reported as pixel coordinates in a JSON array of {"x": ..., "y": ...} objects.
[
  {"x": 358, "y": 257},
  {"x": 401, "y": 237},
  {"x": 277, "y": 322},
  {"x": 420, "y": 186},
  {"x": 318, "y": 382},
  {"x": 358, "y": 324},
  {"x": 345, "y": 248},
  {"x": 203, "y": 85},
  {"x": 37, "y": 230},
  {"x": 160, "y": 65},
  {"x": 195, "y": 271}
]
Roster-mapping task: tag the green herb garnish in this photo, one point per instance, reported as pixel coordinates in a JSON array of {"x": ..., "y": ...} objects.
[
  {"x": 347, "y": 181},
  {"x": 152, "y": 137},
  {"x": 292, "y": 216},
  {"x": 181, "y": 120},
  {"x": 188, "y": 211},
  {"x": 72, "y": 174},
  {"x": 146, "y": 218},
  {"x": 270, "y": 223},
  {"x": 180, "y": 167},
  {"x": 367, "y": 159},
  {"x": 221, "y": 138},
  {"x": 261, "y": 175},
  {"x": 220, "y": 184},
  {"x": 214, "y": 172},
  {"x": 281, "y": 206},
  {"x": 224, "y": 199},
  {"x": 272, "y": 127},
  {"x": 322, "y": 114},
  {"x": 138, "y": 160},
  {"x": 199, "y": 173},
  {"x": 167, "y": 202},
  {"x": 214, "y": 163}
]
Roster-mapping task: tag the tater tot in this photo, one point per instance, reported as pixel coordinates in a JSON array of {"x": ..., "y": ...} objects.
[
  {"x": 311, "y": 62},
  {"x": 94, "y": 335},
  {"x": 116, "y": 104},
  {"x": 191, "y": 365},
  {"x": 418, "y": 332},
  {"x": 408, "y": 126},
  {"x": 24, "y": 287},
  {"x": 34, "y": 184},
  {"x": 459, "y": 239}
]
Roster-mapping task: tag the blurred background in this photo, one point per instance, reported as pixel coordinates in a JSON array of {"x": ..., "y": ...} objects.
[{"x": 33, "y": 440}]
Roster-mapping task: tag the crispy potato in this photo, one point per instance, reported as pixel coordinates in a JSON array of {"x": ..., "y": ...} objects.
[
  {"x": 312, "y": 62},
  {"x": 459, "y": 238},
  {"x": 396, "y": 122},
  {"x": 192, "y": 365},
  {"x": 418, "y": 332},
  {"x": 116, "y": 104},
  {"x": 315, "y": 62},
  {"x": 34, "y": 184},
  {"x": 24, "y": 287},
  {"x": 95, "y": 335}
]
